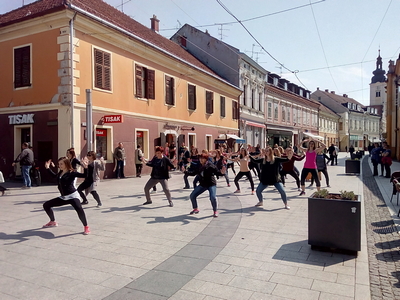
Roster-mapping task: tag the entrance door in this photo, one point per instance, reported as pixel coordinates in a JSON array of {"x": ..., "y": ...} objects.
[{"x": 22, "y": 134}]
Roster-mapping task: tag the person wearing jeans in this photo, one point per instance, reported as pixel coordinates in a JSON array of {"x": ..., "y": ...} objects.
[
  {"x": 25, "y": 159},
  {"x": 207, "y": 182},
  {"x": 270, "y": 166}
]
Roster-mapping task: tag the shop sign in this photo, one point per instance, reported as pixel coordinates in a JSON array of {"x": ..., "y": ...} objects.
[
  {"x": 21, "y": 119},
  {"x": 113, "y": 119},
  {"x": 139, "y": 134},
  {"x": 101, "y": 132}
]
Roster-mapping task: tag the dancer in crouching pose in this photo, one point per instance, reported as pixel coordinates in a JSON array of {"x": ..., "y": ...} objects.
[
  {"x": 69, "y": 195},
  {"x": 208, "y": 182},
  {"x": 244, "y": 160},
  {"x": 159, "y": 174},
  {"x": 92, "y": 172},
  {"x": 270, "y": 166}
]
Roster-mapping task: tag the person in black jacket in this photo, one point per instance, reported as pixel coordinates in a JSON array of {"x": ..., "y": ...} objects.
[
  {"x": 270, "y": 166},
  {"x": 207, "y": 181},
  {"x": 192, "y": 169},
  {"x": 159, "y": 174},
  {"x": 322, "y": 167},
  {"x": 69, "y": 195}
]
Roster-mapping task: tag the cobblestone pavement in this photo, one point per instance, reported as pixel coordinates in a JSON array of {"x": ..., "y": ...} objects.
[{"x": 383, "y": 241}]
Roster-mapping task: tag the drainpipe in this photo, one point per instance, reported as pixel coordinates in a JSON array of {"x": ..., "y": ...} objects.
[{"x": 71, "y": 61}]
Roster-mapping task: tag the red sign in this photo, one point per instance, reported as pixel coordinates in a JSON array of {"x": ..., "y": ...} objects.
[
  {"x": 139, "y": 133},
  {"x": 101, "y": 132},
  {"x": 113, "y": 119}
]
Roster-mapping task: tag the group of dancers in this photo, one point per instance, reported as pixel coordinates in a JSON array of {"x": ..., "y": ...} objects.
[{"x": 271, "y": 165}]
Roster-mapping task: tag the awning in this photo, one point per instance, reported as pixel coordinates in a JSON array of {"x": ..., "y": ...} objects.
[
  {"x": 313, "y": 136},
  {"x": 255, "y": 124},
  {"x": 223, "y": 137}
]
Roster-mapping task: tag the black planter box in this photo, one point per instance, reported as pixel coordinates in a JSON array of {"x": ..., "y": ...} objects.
[
  {"x": 352, "y": 166},
  {"x": 334, "y": 224}
]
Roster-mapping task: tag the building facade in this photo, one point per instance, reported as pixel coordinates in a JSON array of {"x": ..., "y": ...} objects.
[
  {"x": 358, "y": 124},
  {"x": 238, "y": 69},
  {"x": 393, "y": 113},
  {"x": 289, "y": 112},
  {"x": 328, "y": 125},
  {"x": 144, "y": 89}
]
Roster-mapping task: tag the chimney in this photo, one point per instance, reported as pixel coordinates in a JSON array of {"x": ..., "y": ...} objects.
[
  {"x": 345, "y": 95},
  {"x": 317, "y": 88},
  {"x": 327, "y": 90},
  {"x": 155, "y": 24},
  {"x": 332, "y": 92}
]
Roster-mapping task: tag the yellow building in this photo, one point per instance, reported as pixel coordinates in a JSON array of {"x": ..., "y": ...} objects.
[
  {"x": 145, "y": 89},
  {"x": 393, "y": 112}
]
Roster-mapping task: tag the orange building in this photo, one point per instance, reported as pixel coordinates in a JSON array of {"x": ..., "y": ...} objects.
[{"x": 144, "y": 88}]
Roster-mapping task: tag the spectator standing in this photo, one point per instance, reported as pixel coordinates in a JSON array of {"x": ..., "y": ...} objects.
[
  {"x": 25, "y": 159},
  {"x": 119, "y": 157},
  {"x": 351, "y": 150},
  {"x": 331, "y": 151},
  {"x": 386, "y": 159},
  {"x": 376, "y": 158},
  {"x": 139, "y": 160},
  {"x": 322, "y": 167},
  {"x": 336, "y": 154}
]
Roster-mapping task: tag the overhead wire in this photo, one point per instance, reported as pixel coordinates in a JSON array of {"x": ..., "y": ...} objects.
[
  {"x": 251, "y": 19},
  {"x": 259, "y": 44},
  {"x": 322, "y": 46}
]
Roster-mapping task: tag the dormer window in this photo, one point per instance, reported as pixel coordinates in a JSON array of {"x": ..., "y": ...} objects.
[{"x": 275, "y": 81}]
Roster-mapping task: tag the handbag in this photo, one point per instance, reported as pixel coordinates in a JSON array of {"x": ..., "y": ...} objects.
[{"x": 387, "y": 160}]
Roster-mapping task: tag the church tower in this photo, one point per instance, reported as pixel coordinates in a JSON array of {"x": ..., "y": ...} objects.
[
  {"x": 377, "y": 94},
  {"x": 378, "y": 83}
]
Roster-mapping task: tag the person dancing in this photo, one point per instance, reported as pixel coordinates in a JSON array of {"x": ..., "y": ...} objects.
[
  {"x": 69, "y": 195},
  {"x": 159, "y": 174},
  {"x": 270, "y": 166},
  {"x": 288, "y": 167},
  {"x": 310, "y": 165},
  {"x": 92, "y": 171},
  {"x": 243, "y": 160},
  {"x": 322, "y": 167},
  {"x": 208, "y": 182}
]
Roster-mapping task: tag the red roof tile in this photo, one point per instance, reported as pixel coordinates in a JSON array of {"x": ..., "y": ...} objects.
[{"x": 108, "y": 13}]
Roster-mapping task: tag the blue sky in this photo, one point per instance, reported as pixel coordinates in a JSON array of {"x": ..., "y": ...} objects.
[{"x": 333, "y": 44}]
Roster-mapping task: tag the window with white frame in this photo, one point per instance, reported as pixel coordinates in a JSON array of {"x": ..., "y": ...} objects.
[
  {"x": 276, "y": 111},
  {"x": 269, "y": 110}
]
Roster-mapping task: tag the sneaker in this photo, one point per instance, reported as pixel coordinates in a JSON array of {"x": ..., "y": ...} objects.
[
  {"x": 86, "y": 230},
  {"x": 260, "y": 203},
  {"x": 153, "y": 192},
  {"x": 85, "y": 202},
  {"x": 328, "y": 185},
  {"x": 237, "y": 191},
  {"x": 147, "y": 202},
  {"x": 50, "y": 224},
  {"x": 171, "y": 204},
  {"x": 299, "y": 189},
  {"x": 229, "y": 185},
  {"x": 287, "y": 207},
  {"x": 194, "y": 211},
  {"x": 99, "y": 204},
  {"x": 186, "y": 187},
  {"x": 302, "y": 193},
  {"x": 252, "y": 192},
  {"x": 215, "y": 215}
]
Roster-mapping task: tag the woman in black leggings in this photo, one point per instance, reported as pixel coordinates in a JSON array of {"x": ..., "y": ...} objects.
[{"x": 69, "y": 195}]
